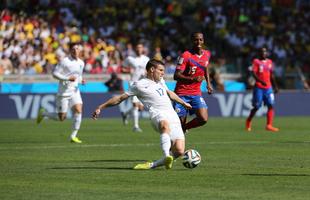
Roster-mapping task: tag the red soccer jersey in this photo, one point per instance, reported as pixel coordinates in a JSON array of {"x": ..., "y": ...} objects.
[
  {"x": 263, "y": 70},
  {"x": 192, "y": 65}
]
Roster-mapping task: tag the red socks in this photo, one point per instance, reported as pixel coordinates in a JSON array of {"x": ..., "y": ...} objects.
[{"x": 270, "y": 116}]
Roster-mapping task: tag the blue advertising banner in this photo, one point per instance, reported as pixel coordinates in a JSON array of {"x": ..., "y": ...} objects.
[{"x": 26, "y": 105}]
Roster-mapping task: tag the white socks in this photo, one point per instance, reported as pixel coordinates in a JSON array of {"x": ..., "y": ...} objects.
[
  {"x": 77, "y": 119},
  {"x": 53, "y": 116},
  {"x": 165, "y": 143},
  {"x": 135, "y": 113},
  {"x": 74, "y": 133},
  {"x": 158, "y": 163}
]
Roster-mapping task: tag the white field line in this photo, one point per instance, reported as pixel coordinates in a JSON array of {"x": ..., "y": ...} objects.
[{"x": 122, "y": 145}]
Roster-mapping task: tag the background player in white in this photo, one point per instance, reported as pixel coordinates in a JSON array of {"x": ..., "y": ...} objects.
[
  {"x": 69, "y": 73},
  {"x": 137, "y": 65},
  {"x": 155, "y": 96}
]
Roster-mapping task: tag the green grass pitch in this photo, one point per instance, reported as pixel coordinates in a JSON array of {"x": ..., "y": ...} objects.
[{"x": 38, "y": 162}]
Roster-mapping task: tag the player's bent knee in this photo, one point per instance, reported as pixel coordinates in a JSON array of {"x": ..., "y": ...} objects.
[
  {"x": 256, "y": 106},
  {"x": 178, "y": 152},
  {"x": 204, "y": 120},
  {"x": 203, "y": 117},
  {"x": 77, "y": 112},
  {"x": 270, "y": 106},
  {"x": 164, "y": 127},
  {"x": 77, "y": 109},
  {"x": 62, "y": 117},
  {"x": 178, "y": 148}
]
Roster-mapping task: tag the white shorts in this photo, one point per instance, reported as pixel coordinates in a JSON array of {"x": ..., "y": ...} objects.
[
  {"x": 175, "y": 125},
  {"x": 64, "y": 102}
]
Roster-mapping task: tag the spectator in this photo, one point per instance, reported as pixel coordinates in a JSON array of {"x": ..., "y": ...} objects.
[
  {"x": 6, "y": 66},
  {"x": 97, "y": 67},
  {"x": 158, "y": 54},
  {"x": 215, "y": 75},
  {"x": 170, "y": 65},
  {"x": 115, "y": 84},
  {"x": 114, "y": 63}
]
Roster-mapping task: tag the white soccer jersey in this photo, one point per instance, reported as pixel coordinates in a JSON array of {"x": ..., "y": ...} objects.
[
  {"x": 154, "y": 97},
  {"x": 138, "y": 63},
  {"x": 66, "y": 68}
]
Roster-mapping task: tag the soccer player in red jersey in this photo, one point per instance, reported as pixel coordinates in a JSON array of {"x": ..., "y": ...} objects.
[
  {"x": 191, "y": 70},
  {"x": 262, "y": 71}
]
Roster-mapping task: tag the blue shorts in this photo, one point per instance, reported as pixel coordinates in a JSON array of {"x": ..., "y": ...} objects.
[
  {"x": 262, "y": 95},
  {"x": 195, "y": 101}
]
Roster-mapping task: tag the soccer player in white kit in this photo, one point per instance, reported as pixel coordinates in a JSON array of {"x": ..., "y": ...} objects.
[
  {"x": 137, "y": 64},
  {"x": 69, "y": 73},
  {"x": 155, "y": 96}
]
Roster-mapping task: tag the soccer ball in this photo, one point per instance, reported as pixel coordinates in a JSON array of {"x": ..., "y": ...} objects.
[{"x": 191, "y": 158}]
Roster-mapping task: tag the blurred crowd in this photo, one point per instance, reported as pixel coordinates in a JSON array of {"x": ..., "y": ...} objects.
[{"x": 34, "y": 34}]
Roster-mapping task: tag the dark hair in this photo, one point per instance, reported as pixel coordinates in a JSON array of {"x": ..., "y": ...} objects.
[
  {"x": 260, "y": 50},
  {"x": 153, "y": 63},
  {"x": 139, "y": 42},
  {"x": 196, "y": 32},
  {"x": 71, "y": 45},
  {"x": 263, "y": 47}
]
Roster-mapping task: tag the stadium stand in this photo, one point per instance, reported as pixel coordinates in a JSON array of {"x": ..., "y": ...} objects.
[{"x": 35, "y": 34}]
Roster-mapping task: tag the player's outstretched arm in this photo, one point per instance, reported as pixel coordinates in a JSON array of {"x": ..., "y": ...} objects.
[
  {"x": 173, "y": 96},
  {"x": 109, "y": 103}
]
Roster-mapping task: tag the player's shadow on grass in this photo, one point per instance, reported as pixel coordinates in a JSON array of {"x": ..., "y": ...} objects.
[
  {"x": 100, "y": 161},
  {"x": 88, "y": 168},
  {"x": 112, "y": 161},
  {"x": 275, "y": 174},
  {"x": 106, "y": 168}
]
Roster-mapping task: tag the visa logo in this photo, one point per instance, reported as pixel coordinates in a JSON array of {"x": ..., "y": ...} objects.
[{"x": 237, "y": 105}]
